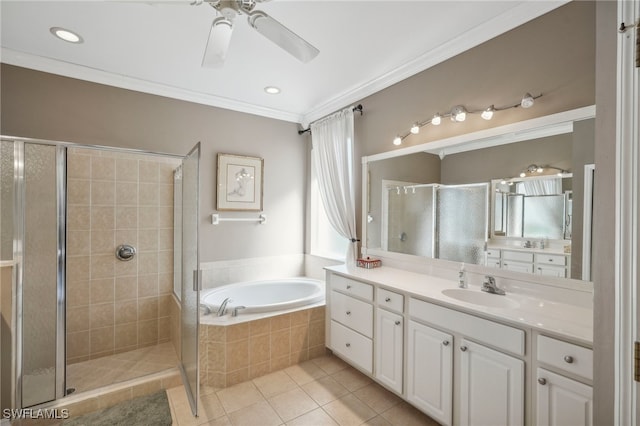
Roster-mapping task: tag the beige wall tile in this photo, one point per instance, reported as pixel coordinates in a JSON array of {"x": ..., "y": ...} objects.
[
  {"x": 148, "y": 194},
  {"x": 102, "y": 316},
  {"x": 300, "y": 317},
  {"x": 164, "y": 305},
  {"x": 148, "y": 240},
  {"x": 148, "y": 308},
  {"x": 78, "y": 293},
  {"x": 317, "y": 351},
  {"x": 298, "y": 357},
  {"x": 103, "y": 168},
  {"x": 127, "y": 268},
  {"x": 147, "y": 263},
  {"x": 259, "y": 349},
  {"x": 261, "y": 326},
  {"x": 102, "y": 193},
  {"x": 165, "y": 239},
  {"x": 78, "y": 191},
  {"x": 165, "y": 172},
  {"x": 165, "y": 195},
  {"x": 126, "y": 217},
  {"x": 237, "y": 332},
  {"x": 126, "y": 193},
  {"x": 102, "y": 290},
  {"x": 78, "y": 268},
  {"x": 148, "y": 217},
  {"x": 148, "y": 331},
  {"x": 78, "y": 243},
  {"x": 216, "y": 357},
  {"x": 299, "y": 338},
  {"x": 126, "y": 335},
  {"x": 280, "y": 362},
  {"x": 78, "y": 166},
  {"x": 165, "y": 217},
  {"x": 280, "y": 343},
  {"x": 77, "y": 318},
  {"x": 317, "y": 313},
  {"x": 102, "y": 242},
  {"x": 259, "y": 370},
  {"x": 164, "y": 333},
  {"x": 78, "y": 217},
  {"x": 78, "y": 344},
  {"x": 165, "y": 283},
  {"x": 126, "y": 311},
  {"x": 148, "y": 171},
  {"x": 127, "y": 236},
  {"x": 238, "y": 376},
  {"x": 216, "y": 333},
  {"x": 316, "y": 333},
  {"x": 165, "y": 261},
  {"x": 102, "y": 340},
  {"x": 126, "y": 288},
  {"x": 102, "y": 266},
  {"x": 280, "y": 322},
  {"x": 127, "y": 170},
  {"x": 237, "y": 355},
  {"x": 102, "y": 217},
  {"x": 147, "y": 285}
]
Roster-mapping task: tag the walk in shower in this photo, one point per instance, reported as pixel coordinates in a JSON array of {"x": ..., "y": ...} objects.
[{"x": 75, "y": 315}]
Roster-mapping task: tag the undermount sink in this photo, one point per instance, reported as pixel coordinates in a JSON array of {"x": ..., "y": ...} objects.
[{"x": 480, "y": 298}]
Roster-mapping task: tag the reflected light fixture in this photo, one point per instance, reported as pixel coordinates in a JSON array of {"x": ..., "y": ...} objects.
[
  {"x": 458, "y": 113},
  {"x": 397, "y": 140},
  {"x": 272, "y": 90},
  {"x": 527, "y": 101},
  {"x": 487, "y": 114},
  {"x": 415, "y": 129},
  {"x": 436, "y": 120},
  {"x": 66, "y": 35}
]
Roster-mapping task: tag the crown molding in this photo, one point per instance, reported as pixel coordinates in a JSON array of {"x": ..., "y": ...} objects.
[
  {"x": 509, "y": 20},
  {"x": 67, "y": 69}
]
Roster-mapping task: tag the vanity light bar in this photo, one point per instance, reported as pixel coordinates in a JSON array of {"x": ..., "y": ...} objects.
[{"x": 459, "y": 113}]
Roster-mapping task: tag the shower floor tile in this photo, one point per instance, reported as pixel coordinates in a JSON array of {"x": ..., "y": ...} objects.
[{"x": 99, "y": 372}]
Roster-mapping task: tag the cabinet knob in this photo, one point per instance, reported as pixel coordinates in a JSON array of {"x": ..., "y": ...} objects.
[
  {"x": 348, "y": 312},
  {"x": 398, "y": 323},
  {"x": 550, "y": 260},
  {"x": 348, "y": 287},
  {"x": 348, "y": 345},
  {"x": 445, "y": 343},
  {"x": 542, "y": 381},
  {"x": 388, "y": 299},
  {"x": 505, "y": 264},
  {"x": 568, "y": 359},
  {"x": 463, "y": 348}
]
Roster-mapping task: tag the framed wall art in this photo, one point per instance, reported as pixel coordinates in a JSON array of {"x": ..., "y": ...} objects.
[{"x": 239, "y": 183}]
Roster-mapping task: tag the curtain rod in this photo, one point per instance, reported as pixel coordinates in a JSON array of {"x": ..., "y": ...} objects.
[{"x": 355, "y": 108}]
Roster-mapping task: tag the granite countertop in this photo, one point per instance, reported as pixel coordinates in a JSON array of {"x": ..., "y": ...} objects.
[{"x": 562, "y": 319}]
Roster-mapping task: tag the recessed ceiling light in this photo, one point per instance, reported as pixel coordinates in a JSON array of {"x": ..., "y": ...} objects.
[
  {"x": 272, "y": 90},
  {"x": 66, "y": 35}
]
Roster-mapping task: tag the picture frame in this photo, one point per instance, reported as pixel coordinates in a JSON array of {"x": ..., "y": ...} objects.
[{"x": 240, "y": 181}]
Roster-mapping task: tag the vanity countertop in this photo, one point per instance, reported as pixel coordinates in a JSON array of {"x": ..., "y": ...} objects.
[
  {"x": 561, "y": 319},
  {"x": 547, "y": 250}
]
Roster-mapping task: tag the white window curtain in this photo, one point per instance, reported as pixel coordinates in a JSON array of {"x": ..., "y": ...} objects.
[{"x": 332, "y": 157}]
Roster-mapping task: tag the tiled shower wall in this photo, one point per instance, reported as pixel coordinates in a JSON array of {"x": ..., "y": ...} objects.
[{"x": 118, "y": 198}]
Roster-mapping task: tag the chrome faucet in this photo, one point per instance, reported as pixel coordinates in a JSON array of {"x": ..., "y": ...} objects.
[
  {"x": 205, "y": 308},
  {"x": 223, "y": 307},
  {"x": 489, "y": 285},
  {"x": 234, "y": 313}
]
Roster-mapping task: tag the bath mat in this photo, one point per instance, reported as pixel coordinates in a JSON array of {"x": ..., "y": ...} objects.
[{"x": 151, "y": 410}]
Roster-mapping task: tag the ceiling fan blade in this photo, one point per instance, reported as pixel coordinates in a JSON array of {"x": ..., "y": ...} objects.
[
  {"x": 218, "y": 43},
  {"x": 282, "y": 36}
]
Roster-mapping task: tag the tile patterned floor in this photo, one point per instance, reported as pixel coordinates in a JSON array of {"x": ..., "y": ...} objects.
[
  {"x": 100, "y": 372},
  {"x": 324, "y": 391}
]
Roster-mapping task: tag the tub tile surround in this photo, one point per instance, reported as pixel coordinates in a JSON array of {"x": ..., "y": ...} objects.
[
  {"x": 115, "y": 198},
  {"x": 230, "y": 354}
]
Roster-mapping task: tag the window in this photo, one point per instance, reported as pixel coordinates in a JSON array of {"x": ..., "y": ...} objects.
[{"x": 325, "y": 240}]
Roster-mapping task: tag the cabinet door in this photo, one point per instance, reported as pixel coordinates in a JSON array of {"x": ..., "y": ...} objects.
[
  {"x": 562, "y": 401},
  {"x": 389, "y": 344},
  {"x": 551, "y": 271},
  {"x": 491, "y": 387},
  {"x": 430, "y": 371}
]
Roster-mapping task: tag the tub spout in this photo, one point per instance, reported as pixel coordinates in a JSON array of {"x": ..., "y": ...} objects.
[
  {"x": 234, "y": 313},
  {"x": 223, "y": 307},
  {"x": 206, "y": 310}
]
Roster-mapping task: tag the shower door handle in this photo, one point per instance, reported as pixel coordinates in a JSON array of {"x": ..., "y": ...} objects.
[{"x": 197, "y": 280}]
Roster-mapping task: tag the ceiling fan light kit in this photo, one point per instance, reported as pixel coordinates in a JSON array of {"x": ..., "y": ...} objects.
[{"x": 222, "y": 28}]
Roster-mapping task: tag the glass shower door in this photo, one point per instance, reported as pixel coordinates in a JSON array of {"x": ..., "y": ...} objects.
[{"x": 190, "y": 293}]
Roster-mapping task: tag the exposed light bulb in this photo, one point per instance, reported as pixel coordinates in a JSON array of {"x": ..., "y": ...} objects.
[
  {"x": 487, "y": 114},
  {"x": 436, "y": 120},
  {"x": 458, "y": 113},
  {"x": 503, "y": 182},
  {"x": 522, "y": 174},
  {"x": 539, "y": 170},
  {"x": 415, "y": 129},
  {"x": 66, "y": 35},
  {"x": 397, "y": 140},
  {"x": 527, "y": 101},
  {"x": 272, "y": 90}
]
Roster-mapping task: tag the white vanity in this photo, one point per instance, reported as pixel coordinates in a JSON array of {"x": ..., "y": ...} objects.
[{"x": 463, "y": 356}]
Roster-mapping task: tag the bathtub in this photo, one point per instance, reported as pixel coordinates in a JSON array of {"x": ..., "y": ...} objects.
[{"x": 265, "y": 296}]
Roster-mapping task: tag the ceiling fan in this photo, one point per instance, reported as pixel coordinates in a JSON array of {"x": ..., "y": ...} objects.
[{"x": 222, "y": 28}]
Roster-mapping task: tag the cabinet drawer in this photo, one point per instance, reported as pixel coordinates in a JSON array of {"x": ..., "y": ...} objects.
[
  {"x": 353, "y": 287},
  {"x": 527, "y": 268},
  {"x": 493, "y": 253},
  {"x": 518, "y": 256},
  {"x": 390, "y": 300},
  {"x": 551, "y": 271},
  {"x": 492, "y": 333},
  {"x": 551, "y": 259},
  {"x": 566, "y": 356},
  {"x": 353, "y": 313},
  {"x": 353, "y": 346}
]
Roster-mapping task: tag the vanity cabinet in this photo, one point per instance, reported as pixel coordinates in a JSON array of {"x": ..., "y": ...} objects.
[
  {"x": 351, "y": 321},
  {"x": 562, "y": 396},
  {"x": 430, "y": 371},
  {"x": 530, "y": 262},
  {"x": 389, "y": 345}
]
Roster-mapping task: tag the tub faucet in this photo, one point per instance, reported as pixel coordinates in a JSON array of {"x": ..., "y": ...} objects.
[
  {"x": 234, "y": 313},
  {"x": 205, "y": 308},
  {"x": 223, "y": 307},
  {"x": 489, "y": 285}
]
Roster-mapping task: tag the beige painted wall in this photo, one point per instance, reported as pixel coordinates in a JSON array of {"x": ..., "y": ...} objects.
[{"x": 46, "y": 106}]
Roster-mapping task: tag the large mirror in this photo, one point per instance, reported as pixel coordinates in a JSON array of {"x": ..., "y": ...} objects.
[{"x": 518, "y": 200}]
